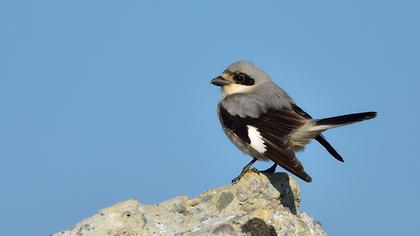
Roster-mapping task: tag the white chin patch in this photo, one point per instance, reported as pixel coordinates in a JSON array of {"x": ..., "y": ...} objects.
[
  {"x": 257, "y": 141},
  {"x": 235, "y": 88}
]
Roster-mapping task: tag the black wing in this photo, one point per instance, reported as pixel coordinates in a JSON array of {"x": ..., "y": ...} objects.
[
  {"x": 320, "y": 138},
  {"x": 275, "y": 126}
]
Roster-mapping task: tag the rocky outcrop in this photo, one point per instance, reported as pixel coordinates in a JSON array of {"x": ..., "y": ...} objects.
[{"x": 259, "y": 204}]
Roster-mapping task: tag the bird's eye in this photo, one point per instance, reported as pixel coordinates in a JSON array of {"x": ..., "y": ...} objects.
[
  {"x": 243, "y": 79},
  {"x": 240, "y": 78}
]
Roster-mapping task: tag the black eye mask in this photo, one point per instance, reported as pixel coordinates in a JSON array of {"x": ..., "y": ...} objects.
[{"x": 244, "y": 79}]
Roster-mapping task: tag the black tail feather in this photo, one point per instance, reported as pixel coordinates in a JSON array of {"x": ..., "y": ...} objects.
[
  {"x": 321, "y": 139},
  {"x": 346, "y": 119},
  {"x": 337, "y": 121}
]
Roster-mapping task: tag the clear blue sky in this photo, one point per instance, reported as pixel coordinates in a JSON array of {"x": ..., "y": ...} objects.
[{"x": 103, "y": 101}]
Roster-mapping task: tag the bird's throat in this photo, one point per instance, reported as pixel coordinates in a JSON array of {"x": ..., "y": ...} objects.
[{"x": 235, "y": 88}]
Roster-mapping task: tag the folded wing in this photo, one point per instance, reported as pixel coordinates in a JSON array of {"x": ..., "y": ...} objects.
[{"x": 269, "y": 134}]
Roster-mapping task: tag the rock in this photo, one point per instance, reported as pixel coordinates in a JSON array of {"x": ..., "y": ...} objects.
[{"x": 259, "y": 204}]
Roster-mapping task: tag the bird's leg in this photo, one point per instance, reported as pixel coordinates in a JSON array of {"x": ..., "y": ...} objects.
[
  {"x": 244, "y": 170},
  {"x": 270, "y": 170}
]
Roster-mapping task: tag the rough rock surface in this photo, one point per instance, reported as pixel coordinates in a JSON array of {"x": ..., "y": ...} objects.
[{"x": 258, "y": 204}]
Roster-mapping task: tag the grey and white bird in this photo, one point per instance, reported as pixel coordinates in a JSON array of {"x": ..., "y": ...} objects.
[{"x": 264, "y": 122}]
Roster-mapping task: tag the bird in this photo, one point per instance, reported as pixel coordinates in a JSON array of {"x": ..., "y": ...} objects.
[{"x": 264, "y": 122}]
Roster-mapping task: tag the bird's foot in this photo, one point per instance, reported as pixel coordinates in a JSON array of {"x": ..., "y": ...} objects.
[
  {"x": 244, "y": 170},
  {"x": 270, "y": 170},
  {"x": 255, "y": 170},
  {"x": 237, "y": 178}
]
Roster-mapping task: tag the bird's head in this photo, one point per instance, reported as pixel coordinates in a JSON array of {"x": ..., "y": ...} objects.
[{"x": 240, "y": 77}]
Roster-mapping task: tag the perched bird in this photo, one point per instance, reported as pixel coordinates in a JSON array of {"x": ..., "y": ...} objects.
[{"x": 263, "y": 121}]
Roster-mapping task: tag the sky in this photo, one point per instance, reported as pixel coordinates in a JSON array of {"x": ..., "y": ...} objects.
[{"x": 105, "y": 101}]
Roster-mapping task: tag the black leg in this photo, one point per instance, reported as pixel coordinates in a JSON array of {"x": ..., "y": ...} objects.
[
  {"x": 270, "y": 170},
  {"x": 244, "y": 170}
]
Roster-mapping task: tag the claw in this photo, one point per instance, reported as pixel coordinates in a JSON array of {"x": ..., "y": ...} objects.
[
  {"x": 244, "y": 170},
  {"x": 270, "y": 170},
  {"x": 255, "y": 170}
]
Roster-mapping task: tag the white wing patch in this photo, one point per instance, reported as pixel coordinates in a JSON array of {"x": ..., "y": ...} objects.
[{"x": 257, "y": 141}]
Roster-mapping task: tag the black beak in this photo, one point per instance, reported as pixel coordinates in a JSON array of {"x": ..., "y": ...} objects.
[{"x": 219, "y": 81}]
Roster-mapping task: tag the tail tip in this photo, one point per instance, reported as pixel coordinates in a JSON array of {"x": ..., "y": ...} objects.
[
  {"x": 371, "y": 115},
  {"x": 307, "y": 178}
]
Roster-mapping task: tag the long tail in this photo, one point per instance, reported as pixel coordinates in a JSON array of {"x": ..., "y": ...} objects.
[
  {"x": 327, "y": 123},
  {"x": 336, "y": 121}
]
